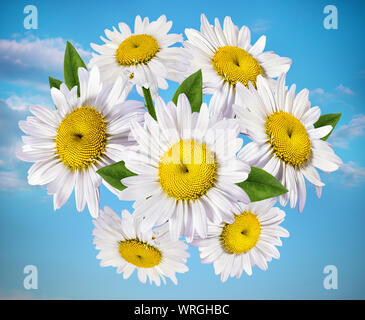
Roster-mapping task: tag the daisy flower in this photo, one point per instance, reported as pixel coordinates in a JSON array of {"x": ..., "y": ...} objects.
[
  {"x": 124, "y": 246},
  {"x": 69, "y": 144},
  {"x": 144, "y": 57},
  {"x": 227, "y": 57},
  {"x": 250, "y": 240},
  {"x": 284, "y": 140},
  {"x": 186, "y": 168}
]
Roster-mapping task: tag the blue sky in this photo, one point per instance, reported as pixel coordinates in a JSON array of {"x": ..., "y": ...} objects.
[{"x": 330, "y": 230}]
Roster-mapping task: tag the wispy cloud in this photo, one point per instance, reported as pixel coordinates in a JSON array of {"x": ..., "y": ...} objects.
[
  {"x": 9, "y": 180},
  {"x": 320, "y": 92},
  {"x": 261, "y": 25},
  {"x": 32, "y": 52},
  {"x": 9, "y": 123},
  {"x": 29, "y": 61},
  {"x": 345, "y": 90},
  {"x": 324, "y": 97},
  {"x": 317, "y": 91},
  {"x": 12, "y": 170},
  {"x": 352, "y": 173},
  {"x": 345, "y": 133},
  {"x": 9, "y": 135},
  {"x": 18, "y": 103}
]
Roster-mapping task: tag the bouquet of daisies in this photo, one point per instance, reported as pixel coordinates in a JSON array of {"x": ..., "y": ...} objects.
[{"x": 182, "y": 162}]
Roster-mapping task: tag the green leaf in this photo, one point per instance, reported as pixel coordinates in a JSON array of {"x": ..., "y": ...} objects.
[
  {"x": 328, "y": 119},
  {"x": 261, "y": 185},
  {"x": 72, "y": 62},
  {"x": 114, "y": 173},
  {"x": 149, "y": 103},
  {"x": 54, "y": 83},
  {"x": 193, "y": 88}
]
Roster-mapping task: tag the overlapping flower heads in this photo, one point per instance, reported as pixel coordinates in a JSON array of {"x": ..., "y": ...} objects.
[{"x": 184, "y": 163}]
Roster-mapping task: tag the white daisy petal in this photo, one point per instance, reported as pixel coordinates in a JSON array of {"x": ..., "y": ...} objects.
[
  {"x": 312, "y": 176},
  {"x": 154, "y": 255},
  {"x": 225, "y": 56},
  {"x": 66, "y": 185},
  {"x": 258, "y": 47},
  {"x": 250, "y": 239},
  {"x": 320, "y": 132},
  {"x": 69, "y": 144},
  {"x": 148, "y": 67},
  {"x": 60, "y": 101},
  {"x": 194, "y": 171},
  {"x": 45, "y": 115},
  {"x": 284, "y": 141}
]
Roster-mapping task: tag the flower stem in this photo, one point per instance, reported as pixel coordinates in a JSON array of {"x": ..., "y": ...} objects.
[{"x": 149, "y": 103}]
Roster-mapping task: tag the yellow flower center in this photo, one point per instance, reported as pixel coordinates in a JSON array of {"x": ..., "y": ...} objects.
[
  {"x": 137, "y": 49},
  {"x": 242, "y": 235},
  {"x": 288, "y": 138},
  {"x": 81, "y": 138},
  {"x": 235, "y": 64},
  {"x": 187, "y": 170},
  {"x": 139, "y": 253}
]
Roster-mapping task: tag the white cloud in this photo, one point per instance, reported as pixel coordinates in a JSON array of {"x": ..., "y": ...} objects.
[
  {"x": 8, "y": 159},
  {"x": 12, "y": 170},
  {"x": 345, "y": 90},
  {"x": 9, "y": 180},
  {"x": 32, "y": 52},
  {"x": 8, "y": 123},
  {"x": 317, "y": 91},
  {"x": 260, "y": 25},
  {"x": 344, "y": 134},
  {"x": 17, "y": 103},
  {"x": 339, "y": 89},
  {"x": 10, "y": 133},
  {"x": 323, "y": 97},
  {"x": 352, "y": 173},
  {"x": 29, "y": 61}
]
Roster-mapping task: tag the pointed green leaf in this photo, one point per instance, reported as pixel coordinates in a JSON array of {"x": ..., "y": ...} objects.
[
  {"x": 72, "y": 62},
  {"x": 149, "y": 103},
  {"x": 261, "y": 185},
  {"x": 114, "y": 173},
  {"x": 54, "y": 83},
  {"x": 193, "y": 88},
  {"x": 328, "y": 119}
]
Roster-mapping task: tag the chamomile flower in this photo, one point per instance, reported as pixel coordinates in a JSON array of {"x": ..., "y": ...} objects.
[
  {"x": 145, "y": 57},
  {"x": 250, "y": 240},
  {"x": 284, "y": 140},
  {"x": 69, "y": 144},
  {"x": 227, "y": 57},
  {"x": 186, "y": 167},
  {"x": 124, "y": 246}
]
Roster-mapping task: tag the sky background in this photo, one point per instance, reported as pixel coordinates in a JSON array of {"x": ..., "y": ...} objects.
[{"x": 330, "y": 231}]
